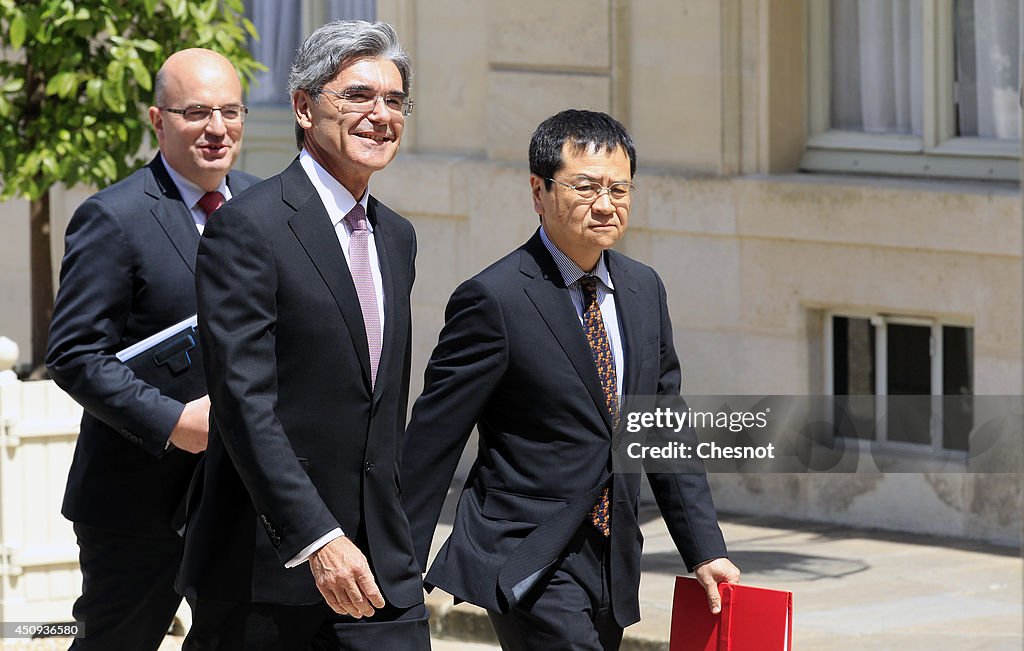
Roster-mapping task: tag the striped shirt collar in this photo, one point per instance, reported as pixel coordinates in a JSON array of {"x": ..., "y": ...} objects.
[{"x": 571, "y": 272}]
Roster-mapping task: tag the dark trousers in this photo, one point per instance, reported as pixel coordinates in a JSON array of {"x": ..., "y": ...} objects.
[
  {"x": 569, "y": 609},
  {"x": 222, "y": 626},
  {"x": 128, "y": 598}
]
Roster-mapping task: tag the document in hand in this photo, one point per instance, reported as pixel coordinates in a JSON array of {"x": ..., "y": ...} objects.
[
  {"x": 752, "y": 619},
  {"x": 170, "y": 361}
]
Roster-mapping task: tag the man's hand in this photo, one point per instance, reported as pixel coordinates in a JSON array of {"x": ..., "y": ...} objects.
[
  {"x": 193, "y": 428},
  {"x": 713, "y": 572},
  {"x": 344, "y": 579}
]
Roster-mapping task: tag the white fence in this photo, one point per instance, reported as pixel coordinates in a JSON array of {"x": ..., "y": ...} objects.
[{"x": 39, "y": 575}]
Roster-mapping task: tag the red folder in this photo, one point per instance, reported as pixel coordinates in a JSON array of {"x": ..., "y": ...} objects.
[{"x": 752, "y": 619}]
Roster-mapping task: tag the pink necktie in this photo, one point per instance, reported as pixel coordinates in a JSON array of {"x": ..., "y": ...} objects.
[
  {"x": 359, "y": 265},
  {"x": 210, "y": 202}
]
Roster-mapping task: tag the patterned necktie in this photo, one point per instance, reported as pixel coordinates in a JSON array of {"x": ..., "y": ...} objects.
[
  {"x": 597, "y": 337},
  {"x": 210, "y": 202},
  {"x": 359, "y": 265}
]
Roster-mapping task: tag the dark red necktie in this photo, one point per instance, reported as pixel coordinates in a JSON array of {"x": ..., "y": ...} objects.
[
  {"x": 210, "y": 202},
  {"x": 597, "y": 337}
]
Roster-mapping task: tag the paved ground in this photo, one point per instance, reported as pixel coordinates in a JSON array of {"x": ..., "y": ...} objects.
[
  {"x": 174, "y": 644},
  {"x": 853, "y": 590}
]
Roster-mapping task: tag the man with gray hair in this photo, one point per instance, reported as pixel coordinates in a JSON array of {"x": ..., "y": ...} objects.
[{"x": 303, "y": 288}]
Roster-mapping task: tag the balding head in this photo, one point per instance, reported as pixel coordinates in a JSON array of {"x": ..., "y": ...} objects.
[
  {"x": 181, "y": 62},
  {"x": 204, "y": 151}
]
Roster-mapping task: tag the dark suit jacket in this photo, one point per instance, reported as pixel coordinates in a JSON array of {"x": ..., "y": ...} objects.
[
  {"x": 128, "y": 272},
  {"x": 299, "y": 445},
  {"x": 513, "y": 360}
]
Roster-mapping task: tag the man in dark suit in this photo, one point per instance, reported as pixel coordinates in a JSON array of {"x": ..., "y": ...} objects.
[
  {"x": 537, "y": 352},
  {"x": 303, "y": 288},
  {"x": 128, "y": 273}
]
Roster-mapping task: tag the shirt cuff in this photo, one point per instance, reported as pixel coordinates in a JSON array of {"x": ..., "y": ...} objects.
[{"x": 304, "y": 555}]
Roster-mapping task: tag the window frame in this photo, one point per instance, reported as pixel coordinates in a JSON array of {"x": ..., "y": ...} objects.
[
  {"x": 938, "y": 152},
  {"x": 313, "y": 14},
  {"x": 880, "y": 324}
]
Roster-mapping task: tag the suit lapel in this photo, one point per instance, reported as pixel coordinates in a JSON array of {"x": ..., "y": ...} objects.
[
  {"x": 385, "y": 245},
  {"x": 629, "y": 309},
  {"x": 172, "y": 214},
  {"x": 236, "y": 184},
  {"x": 548, "y": 293},
  {"x": 315, "y": 233}
]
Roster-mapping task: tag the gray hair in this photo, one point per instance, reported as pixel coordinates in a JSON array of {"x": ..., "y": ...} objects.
[
  {"x": 159, "y": 87},
  {"x": 336, "y": 44}
]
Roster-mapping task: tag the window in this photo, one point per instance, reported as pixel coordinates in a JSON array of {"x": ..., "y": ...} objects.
[
  {"x": 282, "y": 26},
  {"x": 918, "y": 373},
  {"x": 915, "y": 87}
]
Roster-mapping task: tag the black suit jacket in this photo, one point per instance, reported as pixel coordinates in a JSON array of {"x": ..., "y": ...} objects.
[
  {"x": 127, "y": 273},
  {"x": 513, "y": 360},
  {"x": 299, "y": 444}
]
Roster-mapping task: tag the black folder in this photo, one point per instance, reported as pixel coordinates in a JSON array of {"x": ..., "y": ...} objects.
[{"x": 170, "y": 361}]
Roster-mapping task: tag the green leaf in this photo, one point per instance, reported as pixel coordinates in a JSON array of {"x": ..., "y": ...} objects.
[
  {"x": 17, "y": 31},
  {"x": 224, "y": 41},
  {"x": 147, "y": 45},
  {"x": 251, "y": 28},
  {"x": 112, "y": 97},
  {"x": 177, "y": 7},
  {"x": 94, "y": 89},
  {"x": 115, "y": 71},
  {"x": 62, "y": 84},
  {"x": 50, "y": 165},
  {"x": 107, "y": 167},
  {"x": 13, "y": 85},
  {"x": 45, "y": 33},
  {"x": 141, "y": 74}
]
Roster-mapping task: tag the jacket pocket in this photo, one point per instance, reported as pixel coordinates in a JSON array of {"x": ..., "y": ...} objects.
[{"x": 500, "y": 505}]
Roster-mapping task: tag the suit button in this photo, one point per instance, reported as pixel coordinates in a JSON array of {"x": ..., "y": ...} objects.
[{"x": 369, "y": 467}]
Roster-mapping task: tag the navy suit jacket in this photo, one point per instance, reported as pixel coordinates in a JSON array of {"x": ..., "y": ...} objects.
[
  {"x": 127, "y": 273},
  {"x": 300, "y": 443},
  {"x": 513, "y": 360}
]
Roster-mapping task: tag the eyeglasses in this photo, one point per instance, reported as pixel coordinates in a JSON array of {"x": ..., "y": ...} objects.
[
  {"x": 362, "y": 101},
  {"x": 198, "y": 113},
  {"x": 590, "y": 191}
]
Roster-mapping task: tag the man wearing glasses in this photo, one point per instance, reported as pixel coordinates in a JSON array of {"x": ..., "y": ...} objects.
[
  {"x": 537, "y": 352},
  {"x": 128, "y": 273},
  {"x": 299, "y": 540}
]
